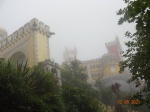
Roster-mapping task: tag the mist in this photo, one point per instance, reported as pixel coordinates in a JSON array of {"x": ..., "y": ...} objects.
[{"x": 84, "y": 24}]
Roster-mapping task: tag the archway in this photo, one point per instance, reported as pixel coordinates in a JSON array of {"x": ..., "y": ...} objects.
[
  {"x": 19, "y": 57},
  {"x": 54, "y": 72}
]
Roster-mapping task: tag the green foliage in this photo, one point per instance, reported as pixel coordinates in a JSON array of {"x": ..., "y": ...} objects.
[
  {"x": 107, "y": 96},
  {"x": 77, "y": 100},
  {"x": 138, "y": 53},
  {"x": 78, "y": 95},
  {"x": 73, "y": 74},
  {"x": 26, "y": 89}
]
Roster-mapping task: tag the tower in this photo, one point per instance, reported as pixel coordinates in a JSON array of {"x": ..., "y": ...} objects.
[
  {"x": 109, "y": 65},
  {"x": 70, "y": 54},
  {"x": 30, "y": 42},
  {"x": 110, "y": 61},
  {"x": 115, "y": 48}
]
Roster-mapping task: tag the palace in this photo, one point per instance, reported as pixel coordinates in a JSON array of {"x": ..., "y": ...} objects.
[
  {"x": 30, "y": 42},
  {"x": 106, "y": 68},
  {"x": 107, "y": 65}
]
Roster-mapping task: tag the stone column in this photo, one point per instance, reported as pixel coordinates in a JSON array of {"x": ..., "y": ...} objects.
[{"x": 35, "y": 32}]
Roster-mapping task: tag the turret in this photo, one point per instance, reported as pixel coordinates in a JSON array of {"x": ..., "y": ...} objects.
[
  {"x": 109, "y": 64},
  {"x": 70, "y": 54},
  {"x": 115, "y": 48}
]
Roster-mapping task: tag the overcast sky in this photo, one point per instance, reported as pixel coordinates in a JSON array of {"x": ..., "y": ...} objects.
[{"x": 84, "y": 24}]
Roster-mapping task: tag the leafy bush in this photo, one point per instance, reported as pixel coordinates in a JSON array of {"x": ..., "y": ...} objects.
[{"x": 28, "y": 89}]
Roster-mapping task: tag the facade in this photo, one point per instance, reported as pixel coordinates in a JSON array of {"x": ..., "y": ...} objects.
[
  {"x": 114, "y": 47},
  {"x": 93, "y": 69},
  {"x": 107, "y": 65},
  {"x": 30, "y": 42},
  {"x": 107, "y": 69}
]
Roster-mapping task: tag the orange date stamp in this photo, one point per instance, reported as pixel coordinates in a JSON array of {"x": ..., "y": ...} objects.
[{"x": 128, "y": 102}]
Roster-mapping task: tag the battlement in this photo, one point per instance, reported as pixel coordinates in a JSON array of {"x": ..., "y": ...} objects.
[
  {"x": 36, "y": 25},
  {"x": 52, "y": 63},
  {"x": 33, "y": 25},
  {"x": 114, "y": 43},
  {"x": 92, "y": 61}
]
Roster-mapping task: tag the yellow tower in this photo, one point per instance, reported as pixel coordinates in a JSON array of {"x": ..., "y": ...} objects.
[
  {"x": 109, "y": 64},
  {"x": 30, "y": 42}
]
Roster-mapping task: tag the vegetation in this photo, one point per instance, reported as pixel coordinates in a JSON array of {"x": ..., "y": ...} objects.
[
  {"x": 32, "y": 90},
  {"x": 111, "y": 95},
  {"x": 28, "y": 90},
  {"x": 137, "y": 56},
  {"x": 78, "y": 95}
]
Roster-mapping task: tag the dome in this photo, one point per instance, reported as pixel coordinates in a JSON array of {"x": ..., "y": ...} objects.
[
  {"x": 2, "y": 29},
  {"x": 108, "y": 59},
  {"x": 3, "y": 33},
  {"x": 108, "y": 55}
]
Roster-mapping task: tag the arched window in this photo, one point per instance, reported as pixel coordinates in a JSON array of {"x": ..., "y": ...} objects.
[
  {"x": 54, "y": 72},
  {"x": 19, "y": 57}
]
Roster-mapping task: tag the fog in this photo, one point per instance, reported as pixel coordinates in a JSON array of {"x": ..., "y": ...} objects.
[{"x": 84, "y": 24}]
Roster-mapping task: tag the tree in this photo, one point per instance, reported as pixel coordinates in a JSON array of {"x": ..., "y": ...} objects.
[
  {"x": 73, "y": 74},
  {"x": 137, "y": 56},
  {"x": 106, "y": 95},
  {"x": 25, "y": 89},
  {"x": 45, "y": 86},
  {"x": 78, "y": 95}
]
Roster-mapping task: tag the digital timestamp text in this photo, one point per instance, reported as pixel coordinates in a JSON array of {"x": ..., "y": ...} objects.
[{"x": 129, "y": 102}]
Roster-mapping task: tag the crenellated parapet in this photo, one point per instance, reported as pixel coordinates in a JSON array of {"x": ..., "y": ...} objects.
[
  {"x": 92, "y": 61},
  {"x": 52, "y": 63},
  {"x": 33, "y": 25},
  {"x": 54, "y": 68},
  {"x": 110, "y": 44},
  {"x": 115, "y": 48},
  {"x": 114, "y": 43},
  {"x": 36, "y": 25}
]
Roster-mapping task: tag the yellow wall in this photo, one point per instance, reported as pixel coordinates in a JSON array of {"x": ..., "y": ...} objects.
[
  {"x": 42, "y": 47},
  {"x": 30, "y": 40},
  {"x": 94, "y": 71},
  {"x": 42, "y": 51},
  {"x": 31, "y": 50},
  {"x": 107, "y": 70}
]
